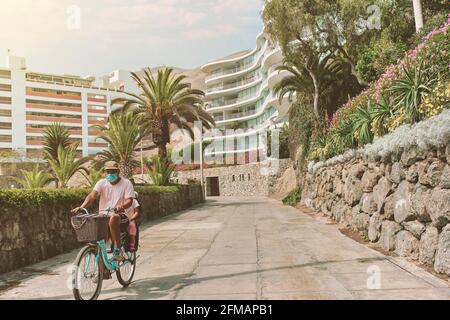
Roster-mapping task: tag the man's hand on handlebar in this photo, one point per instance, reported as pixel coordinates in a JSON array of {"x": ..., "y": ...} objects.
[
  {"x": 119, "y": 209},
  {"x": 76, "y": 210}
]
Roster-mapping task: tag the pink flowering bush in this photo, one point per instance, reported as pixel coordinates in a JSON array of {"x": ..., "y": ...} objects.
[{"x": 417, "y": 74}]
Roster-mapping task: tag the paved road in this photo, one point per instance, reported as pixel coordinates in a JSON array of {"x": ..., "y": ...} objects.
[{"x": 241, "y": 248}]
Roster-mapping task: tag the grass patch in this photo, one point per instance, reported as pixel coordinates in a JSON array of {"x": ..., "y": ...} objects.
[{"x": 293, "y": 198}]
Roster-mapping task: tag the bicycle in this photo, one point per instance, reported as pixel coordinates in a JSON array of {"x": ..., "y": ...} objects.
[{"x": 91, "y": 261}]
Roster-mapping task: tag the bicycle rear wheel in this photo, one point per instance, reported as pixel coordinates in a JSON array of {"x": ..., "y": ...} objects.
[
  {"x": 87, "y": 274},
  {"x": 125, "y": 272}
]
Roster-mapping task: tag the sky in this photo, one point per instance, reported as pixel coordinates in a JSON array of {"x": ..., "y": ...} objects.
[{"x": 95, "y": 37}]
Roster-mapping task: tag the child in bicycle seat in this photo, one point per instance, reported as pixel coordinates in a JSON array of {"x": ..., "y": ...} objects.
[{"x": 133, "y": 214}]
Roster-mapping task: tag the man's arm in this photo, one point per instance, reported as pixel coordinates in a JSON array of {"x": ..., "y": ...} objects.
[
  {"x": 125, "y": 205},
  {"x": 129, "y": 197},
  {"x": 87, "y": 202}
]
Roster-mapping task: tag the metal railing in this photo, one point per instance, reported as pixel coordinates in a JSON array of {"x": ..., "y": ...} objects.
[{"x": 232, "y": 85}]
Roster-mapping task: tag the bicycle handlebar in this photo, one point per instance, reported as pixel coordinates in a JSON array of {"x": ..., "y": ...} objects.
[{"x": 87, "y": 214}]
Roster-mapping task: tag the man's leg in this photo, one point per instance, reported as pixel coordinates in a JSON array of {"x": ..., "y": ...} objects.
[{"x": 114, "y": 227}]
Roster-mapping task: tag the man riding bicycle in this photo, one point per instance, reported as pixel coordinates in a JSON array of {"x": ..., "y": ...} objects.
[{"x": 115, "y": 192}]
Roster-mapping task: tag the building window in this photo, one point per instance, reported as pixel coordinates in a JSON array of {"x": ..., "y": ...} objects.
[
  {"x": 4, "y": 138},
  {"x": 233, "y": 178},
  {"x": 249, "y": 177},
  {"x": 5, "y": 100},
  {"x": 53, "y": 115},
  {"x": 5, "y": 87},
  {"x": 35, "y": 153},
  {"x": 5, "y": 125},
  {"x": 96, "y": 96},
  {"x": 5, "y": 74},
  {"x": 5, "y": 113},
  {"x": 52, "y": 103},
  {"x": 96, "y": 107},
  {"x": 59, "y": 93}
]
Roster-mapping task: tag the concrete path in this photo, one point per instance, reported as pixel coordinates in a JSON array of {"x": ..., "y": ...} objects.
[{"x": 243, "y": 248}]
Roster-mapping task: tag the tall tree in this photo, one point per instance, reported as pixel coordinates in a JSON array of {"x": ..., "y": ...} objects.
[
  {"x": 321, "y": 29},
  {"x": 123, "y": 132},
  {"x": 166, "y": 99},
  {"x": 328, "y": 78}
]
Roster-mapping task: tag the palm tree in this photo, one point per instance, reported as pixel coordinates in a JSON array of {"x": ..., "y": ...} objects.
[
  {"x": 321, "y": 77},
  {"x": 166, "y": 99},
  {"x": 123, "y": 133},
  {"x": 66, "y": 165},
  {"x": 34, "y": 179},
  {"x": 54, "y": 136}
]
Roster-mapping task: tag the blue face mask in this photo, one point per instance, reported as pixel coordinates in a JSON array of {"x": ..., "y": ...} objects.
[{"x": 111, "y": 177}]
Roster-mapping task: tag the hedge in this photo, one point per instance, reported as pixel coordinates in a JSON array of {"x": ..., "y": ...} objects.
[{"x": 35, "y": 224}]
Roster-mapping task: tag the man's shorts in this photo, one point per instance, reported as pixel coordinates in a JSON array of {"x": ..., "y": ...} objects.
[{"x": 124, "y": 222}]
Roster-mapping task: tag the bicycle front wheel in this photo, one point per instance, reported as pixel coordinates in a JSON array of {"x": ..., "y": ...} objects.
[
  {"x": 87, "y": 274},
  {"x": 126, "y": 269}
]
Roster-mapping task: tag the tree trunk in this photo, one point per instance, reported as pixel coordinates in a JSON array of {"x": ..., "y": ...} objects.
[
  {"x": 316, "y": 96},
  {"x": 126, "y": 170},
  {"x": 418, "y": 16},
  {"x": 162, "y": 150},
  {"x": 316, "y": 90}
]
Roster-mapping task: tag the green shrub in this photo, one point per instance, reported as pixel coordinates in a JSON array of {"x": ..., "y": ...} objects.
[
  {"x": 34, "y": 198},
  {"x": 292, "y": 198}
]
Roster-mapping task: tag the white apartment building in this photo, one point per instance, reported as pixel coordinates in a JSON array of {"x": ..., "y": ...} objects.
[
  {"x": 239, "y": 95},
  {"x": 30, "y": 101}
]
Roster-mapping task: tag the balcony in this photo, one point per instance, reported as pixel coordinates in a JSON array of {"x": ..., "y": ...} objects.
[
  {"x": 230, "y": 71},
  {"x": 230, "y": 102},
  {"x": 240, "y": 114},
  {"x": 232, "y": 85}
]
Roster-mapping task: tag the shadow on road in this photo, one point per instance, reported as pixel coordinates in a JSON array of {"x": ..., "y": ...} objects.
[{"x": 166, "y": 287}]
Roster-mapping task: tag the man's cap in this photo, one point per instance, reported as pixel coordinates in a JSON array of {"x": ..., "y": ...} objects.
[{"x": 111, "y": 165}]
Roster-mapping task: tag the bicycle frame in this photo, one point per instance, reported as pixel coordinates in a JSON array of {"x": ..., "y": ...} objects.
[{"x": 109, "y": 263}]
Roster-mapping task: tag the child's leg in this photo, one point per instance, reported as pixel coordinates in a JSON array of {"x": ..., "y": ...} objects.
[{"x": 132, "y": 229}]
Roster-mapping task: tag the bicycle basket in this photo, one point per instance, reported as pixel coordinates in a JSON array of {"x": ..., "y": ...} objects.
[{"x": 90, "y": 228}]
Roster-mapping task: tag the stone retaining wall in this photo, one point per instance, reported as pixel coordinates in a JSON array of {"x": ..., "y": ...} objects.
[
  {"x": 241, "y": 180},
  {"x": 33, "y": 234},
  {"x": 402, "y": 205}
]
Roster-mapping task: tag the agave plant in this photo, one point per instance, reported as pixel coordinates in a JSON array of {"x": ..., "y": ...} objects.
[
  {"x": 320, "y": 148},
  {"x": 381, "y": 113},
  {"x": 409, "y": 90},
  {"x": 54, "y": 136},
  {"x": 123, "y": 133},
  {"x": 362, "y": 124},
  {"x": 34, "y": 179},
  {"x": 66, "y": 165},
  {"x": 160, "y": 171},
  {"x": 341, "y": 136}
]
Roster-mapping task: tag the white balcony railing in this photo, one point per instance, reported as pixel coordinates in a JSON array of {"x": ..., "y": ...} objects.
[
  {"x": 230, "y": 71},
  {"x": 232, "y": 85}
]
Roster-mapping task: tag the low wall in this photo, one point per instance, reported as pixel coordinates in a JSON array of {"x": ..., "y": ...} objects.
[
  {"x": 402, "y": 204},
  {"x": 35, "y": 225},
  {"x": 255, "y": 179}
]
